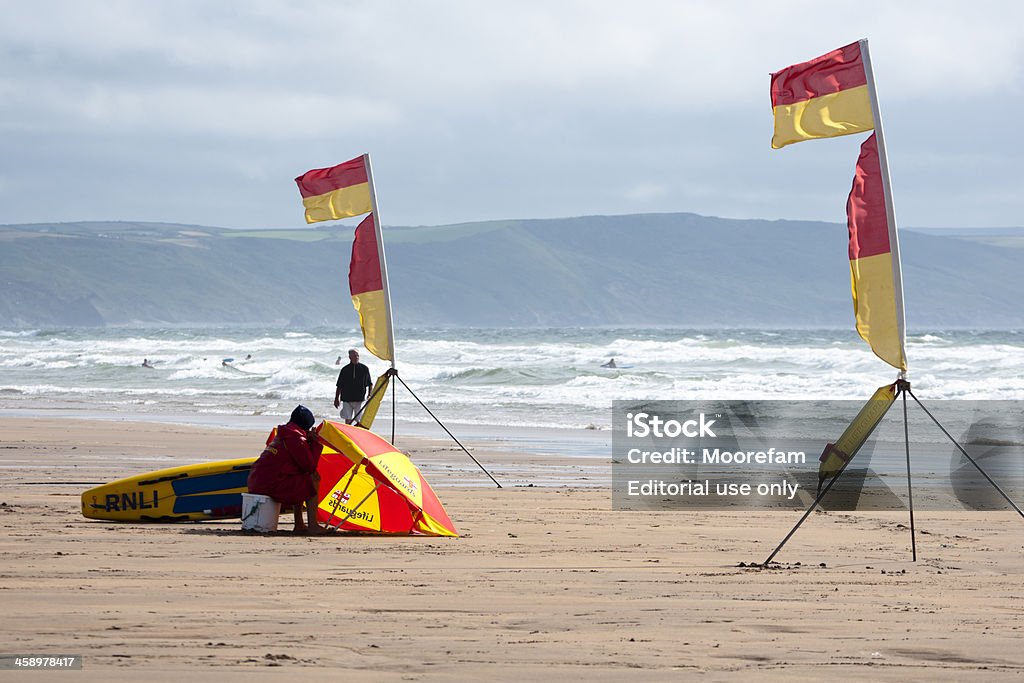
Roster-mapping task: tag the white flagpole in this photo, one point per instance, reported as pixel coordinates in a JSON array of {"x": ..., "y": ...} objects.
[
  {"x": 379, "y": 231},
  {"x": 890, "y": 211}
]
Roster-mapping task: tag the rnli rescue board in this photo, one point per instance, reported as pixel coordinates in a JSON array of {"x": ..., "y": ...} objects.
[{"x": 189, "y": 493}]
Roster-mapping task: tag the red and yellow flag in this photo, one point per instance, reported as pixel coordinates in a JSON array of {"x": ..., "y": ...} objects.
[
  {"x": 872, "y": 269},
  {"x": 340, "y": 192},
  {"x": 823, "y": 98},
  {"x": 336, "y": 192},
  {"x": 366, "y": 284},
  {"x": 836, "y": 455},
  {"x": 372, "y": 405}
]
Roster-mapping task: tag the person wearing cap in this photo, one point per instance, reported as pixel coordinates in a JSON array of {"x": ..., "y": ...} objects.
[{"x": 286, "y": 470}]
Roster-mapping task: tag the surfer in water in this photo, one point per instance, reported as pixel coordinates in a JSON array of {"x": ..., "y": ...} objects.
[
  {"x": 610, "y": 364},
  {"x": 146, "y": 363},
  {"x": 286, "y": 470}
]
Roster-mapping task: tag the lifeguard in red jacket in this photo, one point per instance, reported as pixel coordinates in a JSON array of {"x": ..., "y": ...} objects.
[{"x": 286, "y": 470}]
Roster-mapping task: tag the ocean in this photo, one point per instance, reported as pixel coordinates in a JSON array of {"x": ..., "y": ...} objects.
[
  {"x": 490, "y": 377},
  {"x": 543, "y": 378}
]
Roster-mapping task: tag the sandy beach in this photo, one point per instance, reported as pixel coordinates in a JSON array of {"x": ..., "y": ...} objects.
[{"x": 546, "y": 582}]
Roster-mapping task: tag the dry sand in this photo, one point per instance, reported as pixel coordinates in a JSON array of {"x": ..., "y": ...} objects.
[{"x": 545, "y": 583}]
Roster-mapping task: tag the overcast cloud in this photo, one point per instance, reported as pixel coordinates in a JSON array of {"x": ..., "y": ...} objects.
[{"x": 203, "y": 112}]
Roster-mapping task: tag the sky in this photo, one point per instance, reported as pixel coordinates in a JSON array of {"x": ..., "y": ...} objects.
[{"x": 203, "y": 112}]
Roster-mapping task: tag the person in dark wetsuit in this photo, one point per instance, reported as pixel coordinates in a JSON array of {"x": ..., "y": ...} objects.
[
  {"x": 353, "y": 381},
  {"x": 286, "y": 470}
]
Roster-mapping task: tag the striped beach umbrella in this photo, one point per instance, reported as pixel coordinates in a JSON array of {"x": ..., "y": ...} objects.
[{"x": 366, "y": 484}]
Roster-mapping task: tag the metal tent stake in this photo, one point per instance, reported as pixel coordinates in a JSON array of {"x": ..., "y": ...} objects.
[
  {"x": 904, "y": 386},
  {"x": 807, "y": 514}
]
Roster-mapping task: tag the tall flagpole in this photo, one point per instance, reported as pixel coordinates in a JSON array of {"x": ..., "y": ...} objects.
[
  {"x": 890, "y": 211},
  {"x": 379, "y": 231}
]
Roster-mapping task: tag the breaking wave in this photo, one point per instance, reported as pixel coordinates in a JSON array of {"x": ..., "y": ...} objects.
[{"x": 528, "y": 377}]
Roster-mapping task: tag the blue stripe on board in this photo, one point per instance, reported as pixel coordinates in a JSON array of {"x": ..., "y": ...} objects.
[
  {"x": 211, "y": 482},
  {"x": 222, "y": 504}
]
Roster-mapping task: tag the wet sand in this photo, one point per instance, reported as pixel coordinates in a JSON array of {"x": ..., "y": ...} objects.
[{"x": 546, "y": 581}]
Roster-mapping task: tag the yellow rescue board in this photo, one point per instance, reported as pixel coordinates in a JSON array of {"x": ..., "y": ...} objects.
[{"x": 190, "y": 493}]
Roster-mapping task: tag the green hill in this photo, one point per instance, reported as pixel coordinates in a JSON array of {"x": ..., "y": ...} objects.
[{"x": 651, "y": 269}]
